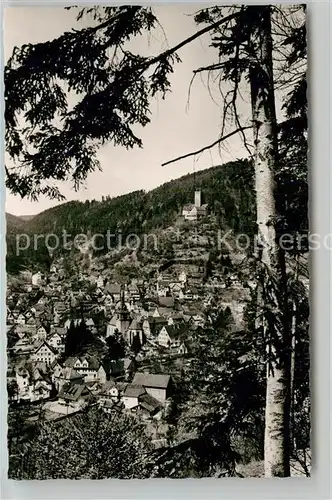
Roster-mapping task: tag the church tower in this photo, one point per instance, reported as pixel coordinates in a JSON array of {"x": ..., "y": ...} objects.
[{"x": 123, "y": 315}]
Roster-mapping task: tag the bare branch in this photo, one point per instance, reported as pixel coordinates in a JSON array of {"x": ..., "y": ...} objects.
[
  {"x": 205, "y": 148},
  {"x": 212, "y": 67},
  {"x": 193, "y": 37}
]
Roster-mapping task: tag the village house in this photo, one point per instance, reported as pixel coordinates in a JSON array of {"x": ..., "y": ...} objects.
[
  {"x": 10, "y": 317},
  {"x": 112, "y": 391},
  {"x": 100, "y": 282},
  {"x": 41, "y": 333},
  {"x": 157, "y": 385},
  {"x": 23, "y": 346},
  {"x": 23, "y": 377},
  {"x": 163, "y": 288},
  {"x": 151, "y": 325},
  {"x": 134, "y": 292},
  {"x": 20, "y": 320},
  {"x": 45, "y": 353},
  {"x": 149, "y": 407},
  {"x": 182, "y": 349},
  {"x": 176, "y": 289},
  {"x": 114, "y": 290},
  {"x": 33, "y": 382},
  {"x": 72, "y": 398},
  {"x": 166, "y": 302},
  {"x": 27, "y": 329},
  {"x": 36, "y": 279},
  {"x": 65, "y": 375},
  {"x": 56, "y": 341},
  {"x": 111, "y": 407},
  {"x": 89, "y": 366},
  {"x": 131, "y": 395},
  {"x": 170, "y": 336},
  {"x": 175, "y": 318},
  {"x": 60, "y": 308}
]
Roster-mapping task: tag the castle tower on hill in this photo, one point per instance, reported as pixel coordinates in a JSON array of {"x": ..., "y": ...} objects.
[
  {"x": 195, "y": 211},
  {"x": 198, "y": 198}
]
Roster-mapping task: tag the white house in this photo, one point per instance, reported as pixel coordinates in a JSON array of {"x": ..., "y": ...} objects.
[
  {"x": 56, "y": 341},
  {"x": 182, "y": 277},
  {"x": 45, "y": 353},
  {"x": 41, "y": 333},
  {"x": 36, "y": 278},
  {"x": 100, "y": 282},
  {"x": 20, "y": 320},
  {"x": 88, "y": 366},
  {"x": 159, "y": 386},
  {"x": 131, "y": 395},
  {"x": 169, "y": 337}
]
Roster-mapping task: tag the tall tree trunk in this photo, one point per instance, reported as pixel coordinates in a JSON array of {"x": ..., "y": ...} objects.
[
  {"x": 292, "y": 362},
  {"x": 292, "y": 374},
  {"x": 276, "y": 442}
]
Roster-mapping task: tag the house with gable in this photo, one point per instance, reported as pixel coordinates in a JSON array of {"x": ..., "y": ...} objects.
[
  {"x": 158, "y": 386},
  {"x": 65, "y": 375},
  {"x": 149, "y": 407},
  {"x": 100, "y": 282},
  {"x": 134, "y": 292},
  {"x": 72, "y": 398},
  {"x": 131, "y": 395},
  {"x": 114, "y": 290},
  {"x": 36, "y": 279},
  {"x": 33, "y": 382},
  {"x": 20, "y": 320},
  {"x": 112, "y": 390},
  {"x": 41, "y": 332},
  {"x": 171, "y": 336},
  {"x": 88, "y": 366},
  {"x": 45, "y": 353},
  {"x": 56, "y": 341}
]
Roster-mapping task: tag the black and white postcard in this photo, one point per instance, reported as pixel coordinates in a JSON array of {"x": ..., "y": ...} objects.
[{"x": 157, "y": 241}]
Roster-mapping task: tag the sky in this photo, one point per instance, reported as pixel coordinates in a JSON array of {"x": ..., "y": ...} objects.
[{"x": 174, "y": 129}]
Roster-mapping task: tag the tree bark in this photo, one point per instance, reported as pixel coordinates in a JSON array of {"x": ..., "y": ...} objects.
[
  {"x": 276, "y": 442},
  {"x": 292, "y": 362}
]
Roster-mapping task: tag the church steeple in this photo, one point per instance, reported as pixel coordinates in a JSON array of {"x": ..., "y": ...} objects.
[{"x": 123, "y": 313}]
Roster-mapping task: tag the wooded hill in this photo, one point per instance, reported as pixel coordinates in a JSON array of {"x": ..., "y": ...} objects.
[{"x": 227, "y": 189}]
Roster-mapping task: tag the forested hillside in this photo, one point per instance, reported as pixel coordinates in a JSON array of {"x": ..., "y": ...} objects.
[{"x": 227, "y": 189}]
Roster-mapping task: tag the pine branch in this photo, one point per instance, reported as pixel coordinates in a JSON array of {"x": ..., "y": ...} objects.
[{"x": 205, "y": 148}]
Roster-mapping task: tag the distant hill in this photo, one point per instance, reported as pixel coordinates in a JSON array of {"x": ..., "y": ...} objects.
[
  {"x": 14, "y": 222},
  {"x": 26, "y": 217},
  {"x": 227, "y": 189}
]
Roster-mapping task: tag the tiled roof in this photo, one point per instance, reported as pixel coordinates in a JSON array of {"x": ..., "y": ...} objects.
[
  {"x": 134, "y": 390},
  {"x": 152, "y": 380},
  {"x": 149, "y": 403},
  {"x": 73, "y": 392}
]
